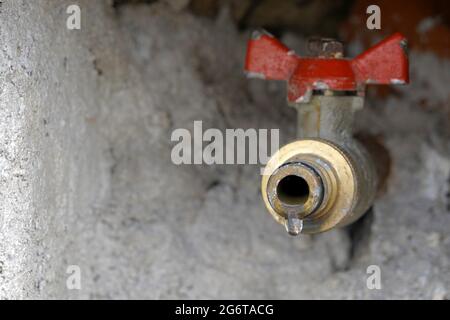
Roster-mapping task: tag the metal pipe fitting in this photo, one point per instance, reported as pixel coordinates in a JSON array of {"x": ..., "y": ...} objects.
[{"x": 326, "y": 178}]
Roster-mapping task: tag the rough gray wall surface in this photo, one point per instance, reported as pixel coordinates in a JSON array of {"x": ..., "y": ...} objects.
[{"x": 86, "y": 177}]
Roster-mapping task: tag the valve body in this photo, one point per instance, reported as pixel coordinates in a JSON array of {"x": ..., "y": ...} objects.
[{"x": 326, "y": 178}]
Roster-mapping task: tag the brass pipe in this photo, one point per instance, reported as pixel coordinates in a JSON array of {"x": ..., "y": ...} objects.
[{"x": 325, "y": 179}]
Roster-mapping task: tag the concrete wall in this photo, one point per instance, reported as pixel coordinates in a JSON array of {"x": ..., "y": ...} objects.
[{"x": 86, "y": 177}]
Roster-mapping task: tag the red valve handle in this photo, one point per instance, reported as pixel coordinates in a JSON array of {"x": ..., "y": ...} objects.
[{"x": 384, "y": 63}]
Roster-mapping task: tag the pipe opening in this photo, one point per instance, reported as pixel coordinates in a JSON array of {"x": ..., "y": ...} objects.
[{"x": 293, "y": 190}]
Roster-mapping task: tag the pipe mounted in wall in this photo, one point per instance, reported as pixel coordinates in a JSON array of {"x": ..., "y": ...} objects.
[{"x": 326, "y": 178}]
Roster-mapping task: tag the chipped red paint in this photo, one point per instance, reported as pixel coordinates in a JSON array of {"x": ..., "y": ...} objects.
[{"x": 384, "y": 63}]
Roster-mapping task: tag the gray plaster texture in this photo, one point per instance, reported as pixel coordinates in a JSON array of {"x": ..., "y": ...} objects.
[{"x": 86, "y": 176}]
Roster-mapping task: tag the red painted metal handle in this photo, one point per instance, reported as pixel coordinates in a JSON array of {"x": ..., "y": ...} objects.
[{"x": 384, "y": 63}]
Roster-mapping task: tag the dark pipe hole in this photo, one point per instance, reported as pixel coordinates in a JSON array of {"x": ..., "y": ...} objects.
[{"x": 293, "y": 190}]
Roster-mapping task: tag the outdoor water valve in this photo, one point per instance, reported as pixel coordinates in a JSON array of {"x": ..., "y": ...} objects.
[{"x": 327, "y": 178}]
